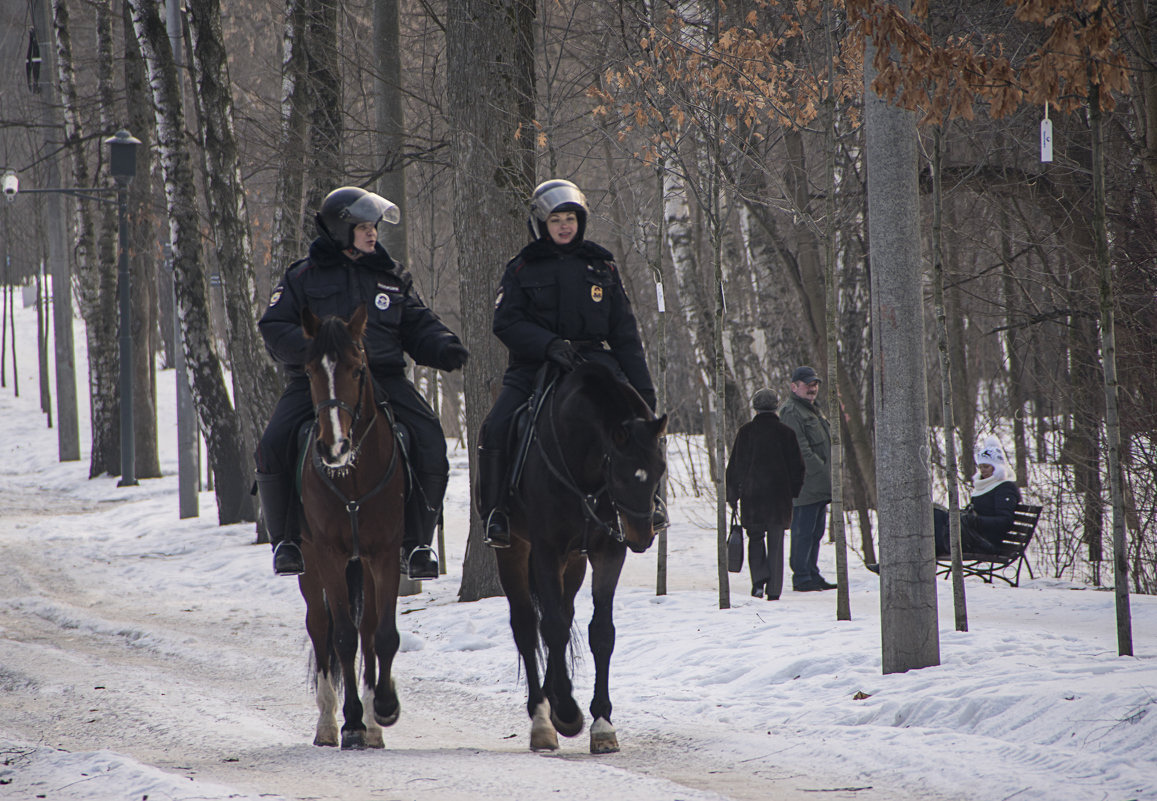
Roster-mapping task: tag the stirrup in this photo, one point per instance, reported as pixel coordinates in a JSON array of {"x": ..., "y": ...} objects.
[
  {"x": 287, "y": 559},
  {"x": 659, "y": 519},
  {"x": 422, "y": 564},
  {"x": 497, "y": 533}
]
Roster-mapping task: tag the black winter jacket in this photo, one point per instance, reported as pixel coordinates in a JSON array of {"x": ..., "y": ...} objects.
[
  {"x": 575, "y": 294},
  {"x": 765, "y": 472},
  {"x": 991, "y": 515},
  {"x": 329, "y": 282}
]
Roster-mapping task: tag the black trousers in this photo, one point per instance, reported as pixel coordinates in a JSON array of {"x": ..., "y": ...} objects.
[
  {"x": 766, "y": 561},
  {"x": 277, "y": 452}
]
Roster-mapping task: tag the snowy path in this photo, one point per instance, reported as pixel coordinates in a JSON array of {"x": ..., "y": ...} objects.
[{"x": 201, "y": 681}]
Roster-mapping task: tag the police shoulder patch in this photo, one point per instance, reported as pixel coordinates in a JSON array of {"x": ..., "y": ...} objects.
[
  {"x": 498, "y": 299},
  {"x": 276, "y": 296}
]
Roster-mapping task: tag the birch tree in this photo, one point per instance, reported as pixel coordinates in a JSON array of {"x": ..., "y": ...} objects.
[
  {"x": 219, "y": 421},
  {"x": 255, "y": 381}
]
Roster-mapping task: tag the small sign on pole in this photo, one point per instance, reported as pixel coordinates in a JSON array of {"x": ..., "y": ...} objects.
[{"x": 1046, "y": 137}]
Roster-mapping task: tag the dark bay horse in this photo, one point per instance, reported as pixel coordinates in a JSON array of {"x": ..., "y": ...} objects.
[
  {"x": 352, "y": 497},
  {"x": 586, "y": 494}
]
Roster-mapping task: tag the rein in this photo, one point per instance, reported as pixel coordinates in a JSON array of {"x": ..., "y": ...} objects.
[
  {"x": 353, "y": 506},
  {"x": 587, "y": 500}
]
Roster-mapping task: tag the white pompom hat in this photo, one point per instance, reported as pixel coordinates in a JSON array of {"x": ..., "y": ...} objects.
[{"x": 991, "y": 452}]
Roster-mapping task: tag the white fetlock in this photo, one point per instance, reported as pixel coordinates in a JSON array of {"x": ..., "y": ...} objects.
[
  {"x": 327, "y": 731},
  {"x": 373, "y": 730},
  {"x": 543, "y": 736},
  {"x": 603, "y": 737}
]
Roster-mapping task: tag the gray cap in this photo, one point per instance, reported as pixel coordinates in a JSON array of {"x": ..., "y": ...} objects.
[
  {"x": 805, "y": 374},
  {"x": 764, "y": 400}
]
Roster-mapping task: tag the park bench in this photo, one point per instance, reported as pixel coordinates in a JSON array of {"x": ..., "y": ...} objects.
[{"x": 993, "y": 565}]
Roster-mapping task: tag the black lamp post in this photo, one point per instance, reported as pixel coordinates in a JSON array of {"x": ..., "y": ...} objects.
[{"x": 123, "y": 166}]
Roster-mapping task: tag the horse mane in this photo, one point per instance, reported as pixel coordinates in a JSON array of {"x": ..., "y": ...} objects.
[
  {"x": 616, "y": 399},
  {"x": 332, "y": 336}
]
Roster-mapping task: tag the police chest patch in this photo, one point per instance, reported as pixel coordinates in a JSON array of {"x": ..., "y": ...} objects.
[
  {"x": 382, "y": 301},
  {"x": 596, "y": 294},
  {"x": 276, "y": 296}
]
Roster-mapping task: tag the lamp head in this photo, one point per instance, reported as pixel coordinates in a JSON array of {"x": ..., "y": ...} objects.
[{"x": 122, "y": 155}]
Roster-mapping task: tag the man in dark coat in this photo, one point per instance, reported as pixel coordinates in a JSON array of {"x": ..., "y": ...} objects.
[
  {"x": 764, "y": 474},
  {"x": 347, "y": 268}
]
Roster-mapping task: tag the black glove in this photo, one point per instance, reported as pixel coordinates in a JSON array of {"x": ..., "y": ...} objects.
[
  {"x": 563, "y": 354},
  {"x": 453, "y": 356}
]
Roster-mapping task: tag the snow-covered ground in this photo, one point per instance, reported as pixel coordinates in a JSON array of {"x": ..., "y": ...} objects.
[{"x": 144, "y": 656}]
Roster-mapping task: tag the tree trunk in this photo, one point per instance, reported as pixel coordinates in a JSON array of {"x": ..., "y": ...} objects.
[
  {"x": 56, "y": 232},
  {"x": 1109, "y": 365},
  {"x": 289, "y": 217},
  {"x": 255, "y": 380},
  {"x": 391, "y": 133},
  {"x": 96, "y": 277},
  {"x": 143, "y": 253},
  {"x": 219, "y": 421},
  {"x": 908, "y": 624},
  {"x": 493, "y": 177},
  {"x": 326, "y": 105},
  {"x": 959, "y": 598}
]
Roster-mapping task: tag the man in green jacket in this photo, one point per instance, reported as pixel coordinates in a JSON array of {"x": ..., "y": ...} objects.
[{"x": 809, "y": 517}]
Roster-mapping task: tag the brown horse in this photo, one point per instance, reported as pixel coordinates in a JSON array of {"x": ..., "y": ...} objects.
[
  {"x": 586, "y": 494},
  {"x": 352, "y": 493}
]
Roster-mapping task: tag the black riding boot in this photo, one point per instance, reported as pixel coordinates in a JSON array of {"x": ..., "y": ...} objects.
[
  {"x": 491, "y": 496},
  {"x": 275, "y": 490},
  {"x": 423, "y": 510}
]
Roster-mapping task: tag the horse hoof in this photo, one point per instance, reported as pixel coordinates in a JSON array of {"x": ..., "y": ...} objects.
[
  {"x": 567, "y": 728},
  {"x": 388, "y": 720},
  {"x": 326, "y": 736},
  {"x": 374, "y": 739},
  {"x": 353, "y": 740},
  {"x": 603, "y": 737},
  {"x": 542, "y": 734},
  {"x": 543, "y": 739}
]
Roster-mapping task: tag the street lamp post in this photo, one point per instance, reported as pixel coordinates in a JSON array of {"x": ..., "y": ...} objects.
[{"x": 123, "y": 166}]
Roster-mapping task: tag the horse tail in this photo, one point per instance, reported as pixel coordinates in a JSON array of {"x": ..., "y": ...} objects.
[{"x": 355, "y": 584}]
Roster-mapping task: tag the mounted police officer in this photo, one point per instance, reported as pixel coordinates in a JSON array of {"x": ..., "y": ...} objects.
[
  {"x": 561, "y": 300},
  {"x": 346, "y": 268}
]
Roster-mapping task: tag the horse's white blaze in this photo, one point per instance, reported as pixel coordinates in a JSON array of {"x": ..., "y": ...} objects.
[
  {"x": 335, "y": 458},
  {"x": 543, "y": 736},
  {"x": 327, "y": 731}
]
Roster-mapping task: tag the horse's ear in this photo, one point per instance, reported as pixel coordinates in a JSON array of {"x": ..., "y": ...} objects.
[
  {"x": 309, "y": 322},
  {"x": 659, "y": 426},
  {"x": 357, "y": 324}
]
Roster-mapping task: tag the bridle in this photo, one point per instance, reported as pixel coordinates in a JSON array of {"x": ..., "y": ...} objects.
[
  {"x": 326, "y": 473},
  {"x": 588, "y": 501}
]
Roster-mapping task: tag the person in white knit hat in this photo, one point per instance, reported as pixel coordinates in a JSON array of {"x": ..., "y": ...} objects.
[{"x": 989, "y": 516}]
